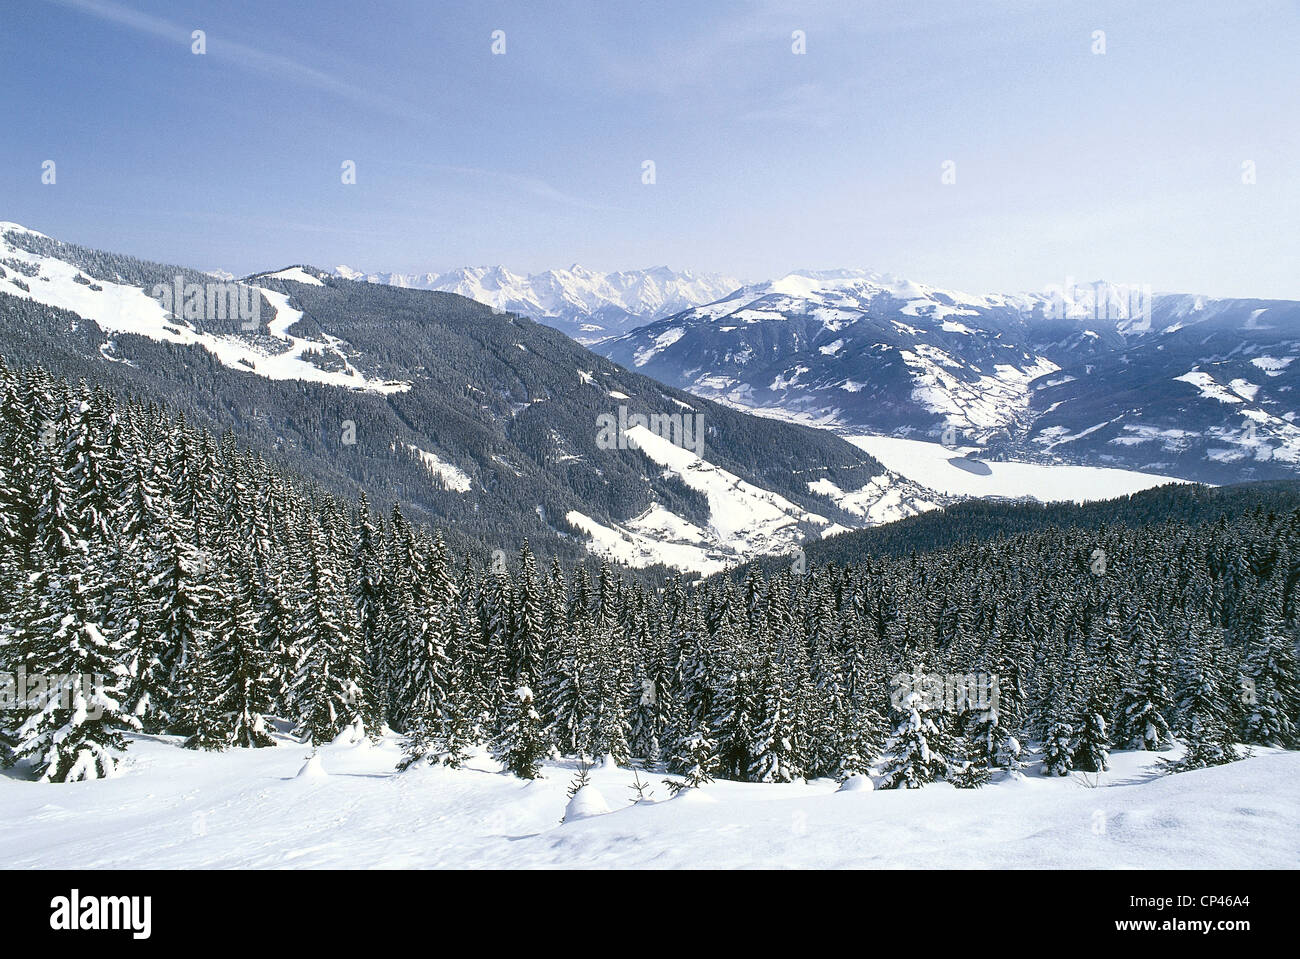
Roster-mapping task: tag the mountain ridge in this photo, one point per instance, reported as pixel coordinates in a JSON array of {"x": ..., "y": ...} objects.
[
  {"x": 483, "y": 421},
  {"x": 1100, "y": 375},
  {"x": 587, "y": 304}
]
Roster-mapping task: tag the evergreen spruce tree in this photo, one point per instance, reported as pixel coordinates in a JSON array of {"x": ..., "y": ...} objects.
[
  {"x": 919, "y": 748},
  {"x": 775, "y": 751},
  {"x": 568, "y": 691},
  {"x": 1204, "y": 719},
  {"x": 1273, "y": 688},
  {"x": 990, "y": 743},
  {"x": 1090, "y": 748},
  {"x": 180, "y": 598},
  {"x": 371, "y": 604},
  {"x": 1273, "y": 699},
  {"x": 695, "y": 758},
  {"x": 526, "y": 642},
  {"x": 72, "y": 729},
  {"x": 328, "y": 676},
  {"x": 522, "y": 744},
  {"x": 969, "y": 770},
  {"x": 733, "y": 725},
  {"x": 424, "y": 689},
  {"x": 199, "y": 711},
  {"x": 860, "y": 738},
  {"x": 243, "y": 669},
  {"x": 1058, "y": 749},
  {"x": 607, "y": 727}
]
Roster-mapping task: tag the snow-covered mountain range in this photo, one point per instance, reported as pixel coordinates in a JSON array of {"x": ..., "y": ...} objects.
[
  {"x": 483, "y": 421},
  {"x": 587, "y": 305},
  {"x": 465, "y": 413},
  {"x": 1098, "y": 375}
]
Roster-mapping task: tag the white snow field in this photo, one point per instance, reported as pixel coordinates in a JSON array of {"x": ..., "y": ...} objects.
[
  {"x": 249, "y": 808},
  {"x": 950, "y": 471}
]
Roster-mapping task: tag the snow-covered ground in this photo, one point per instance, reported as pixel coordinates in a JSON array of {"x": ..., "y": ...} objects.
[
  {"x": 658, "y": 535},
  {"x": 175, "y": 808},
  {"x": 952, "y": 472}
]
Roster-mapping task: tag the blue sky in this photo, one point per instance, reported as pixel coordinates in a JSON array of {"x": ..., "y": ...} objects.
[{"x": 1125, "y": 165}]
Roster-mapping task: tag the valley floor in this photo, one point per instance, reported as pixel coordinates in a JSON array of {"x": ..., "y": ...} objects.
[
  {"x": 173, "y": 808},
  {"x": 949, "y": 471}
]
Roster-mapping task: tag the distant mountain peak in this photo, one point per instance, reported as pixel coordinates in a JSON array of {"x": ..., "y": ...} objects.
[{"x": 587, "y": 304}]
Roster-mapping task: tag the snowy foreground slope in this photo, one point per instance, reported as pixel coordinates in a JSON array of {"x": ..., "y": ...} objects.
[{"x": 174, "y": 808}]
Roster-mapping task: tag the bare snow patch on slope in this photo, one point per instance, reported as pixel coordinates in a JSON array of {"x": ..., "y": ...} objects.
[
  {"x": 1271, "y": 365},
  {"x": 290, "y": 365},
  {"x": 991, "y": 400},
  {"x": 745, "y": 521},
  {"x": 295, "y": 274},
  {"x": 1263, "y": 435},
  {"x": 888, "y": 497},
  {"x": 1208, "y": 388},
  {"x": 664, "y": 340},
  {"x": 453, "y": 477},
  {"x": 751, "y": 520}
]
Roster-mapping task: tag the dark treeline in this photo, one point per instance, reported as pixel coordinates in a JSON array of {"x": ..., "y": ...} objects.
[
  {"x": 212, "y": 590},
  {"x": 985, "y": 519}
]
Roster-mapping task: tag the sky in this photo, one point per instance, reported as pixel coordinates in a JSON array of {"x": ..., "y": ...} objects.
[{"x": 1121, "y": 155}]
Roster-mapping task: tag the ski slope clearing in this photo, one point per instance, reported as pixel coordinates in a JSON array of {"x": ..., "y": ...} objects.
[
  {"x": 953, "y": 471},
  {"x": 750, "y": 519},
  {"x": 176, "y": 808}
]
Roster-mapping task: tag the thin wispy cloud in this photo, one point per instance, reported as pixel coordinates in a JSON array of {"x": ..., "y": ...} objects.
[
  {"x": 242, "y": 55},
  {"x": 518, "y": 183},
  {"x": 808, "y": 104}
]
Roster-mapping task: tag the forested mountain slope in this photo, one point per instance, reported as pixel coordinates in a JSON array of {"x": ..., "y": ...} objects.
[
  {"x": 981, "y": 521},
  {"x": 486, "y": 422},
  {"x": 206, "y": 591}
]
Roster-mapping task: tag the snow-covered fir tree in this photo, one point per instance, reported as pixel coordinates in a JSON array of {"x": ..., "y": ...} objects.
[
  {"x": 522, "y": 744},
  {"x": 71, "y": 727},
  {"x": 919, "y": 750},
  {"x": 1204, "y": 717},
  {"x": 1145, "y": 703},
  {"x": 1058, "y": 749},
  {"x": 1272, "y": 692},
  {"x": 1090, "y": 748}
]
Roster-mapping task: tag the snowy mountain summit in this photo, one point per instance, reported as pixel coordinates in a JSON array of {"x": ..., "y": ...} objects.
[
  {"x": 1100, "y": 374},
  {"x": 586, "y": 304}
]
